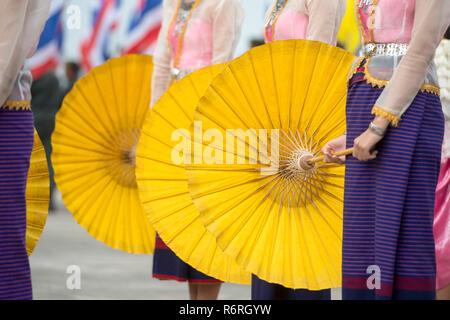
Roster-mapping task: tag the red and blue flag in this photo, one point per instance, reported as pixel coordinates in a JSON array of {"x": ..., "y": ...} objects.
[
  {"x": 48, "y": 53},
  {"x": 143, "y": 30}
]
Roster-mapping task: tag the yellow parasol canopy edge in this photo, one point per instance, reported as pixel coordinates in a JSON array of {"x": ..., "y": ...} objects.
[
  {"x": 37, "y": 194},
  {"x": 96, "y": 134},
  {"x": 163, "y": 183}
]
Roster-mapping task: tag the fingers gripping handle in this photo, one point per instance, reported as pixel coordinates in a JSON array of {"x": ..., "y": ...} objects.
[{"x": 339, "y": 154}]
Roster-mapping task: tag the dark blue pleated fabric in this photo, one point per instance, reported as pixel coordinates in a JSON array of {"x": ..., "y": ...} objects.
[
  {"x": 16, "y": 144},
  {"x": 168, "y": 266},
  {"x": 389, "y": 202},
  {"x": 263, "y": 290}
]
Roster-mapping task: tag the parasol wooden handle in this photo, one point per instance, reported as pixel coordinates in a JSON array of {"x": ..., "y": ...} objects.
[{"x": 339, "y": 154}]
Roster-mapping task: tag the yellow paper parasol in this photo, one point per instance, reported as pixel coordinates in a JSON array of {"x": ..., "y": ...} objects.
[
  {"x": 349, "y": 35},
  {"x": 94, "y": 143},
  {"x": 37, "y": 194},
  {"x": 258, "y": 124},
  {"x": 163, "y": 182}
]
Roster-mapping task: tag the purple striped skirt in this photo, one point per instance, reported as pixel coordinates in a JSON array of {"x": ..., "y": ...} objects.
[
  {"x": 388, "y": 243},
  {"x": 16, "y": 144}
]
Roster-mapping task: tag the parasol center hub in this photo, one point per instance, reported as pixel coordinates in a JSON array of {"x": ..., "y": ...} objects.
[
  {"x": 129, "y": 156},
  {"x": 302, "y": 162}
]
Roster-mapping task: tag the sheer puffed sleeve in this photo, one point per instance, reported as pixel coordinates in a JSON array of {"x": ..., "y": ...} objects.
[
  {"x": 443, "y": 69},
  {"x": 162, "y": 54},
  {"x": 431, "y": 20},
  {"x": 21, "y": 23},
  {"x": 227, "y": 24},
  {"x": 12, "y": 17},
  {"x": 325, "y": 17}
]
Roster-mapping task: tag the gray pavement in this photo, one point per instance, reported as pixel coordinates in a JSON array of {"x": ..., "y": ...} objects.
[{"x": 105, "y": 273}]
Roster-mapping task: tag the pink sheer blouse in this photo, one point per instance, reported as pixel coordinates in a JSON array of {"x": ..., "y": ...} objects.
[
  {"x": 420, "y": 24},
  {"x": 317, "y": 20},
  {"x": 391, "y": 21},
  {"x": 21, "y": 23},
  {"x": 200, "y": 33},
  {"x": 210, "y": 38},
  {"x": 443, "y": 67}
]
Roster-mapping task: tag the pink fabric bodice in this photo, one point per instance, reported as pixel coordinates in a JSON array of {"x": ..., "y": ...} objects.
[
  {"x": 392, "y": 20},
  {"x": 211, "y": 37},
  {"x": 199, "y": 35},
  {"x": 290, "y": 25}
]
